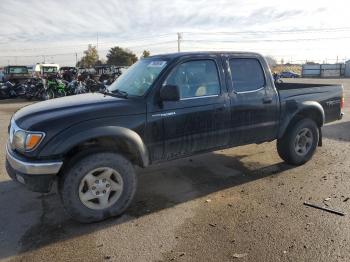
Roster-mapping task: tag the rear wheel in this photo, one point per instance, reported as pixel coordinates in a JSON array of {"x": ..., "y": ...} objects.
[
  {"x": 98, "y": 186},
  {"x": 299, "y": 143},
  {"x": 29, "y": 96},
  {"x": 60, "y": 93}
]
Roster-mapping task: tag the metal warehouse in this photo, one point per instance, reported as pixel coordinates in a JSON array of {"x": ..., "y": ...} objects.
[{"x": 326, "y": 70}]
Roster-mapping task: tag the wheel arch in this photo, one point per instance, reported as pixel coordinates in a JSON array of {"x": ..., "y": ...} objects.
[
  {"x": 109, "y": 138},
  {"x": 309, "y": 109}
]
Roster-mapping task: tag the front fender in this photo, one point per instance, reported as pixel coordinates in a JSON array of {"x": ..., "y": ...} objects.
[
  {"x": 67, "y": 140},
  {"x": 294, "y": 108}
]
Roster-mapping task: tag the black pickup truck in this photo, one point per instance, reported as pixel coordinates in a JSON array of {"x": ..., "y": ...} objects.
[{"x": 163, "y": 107}]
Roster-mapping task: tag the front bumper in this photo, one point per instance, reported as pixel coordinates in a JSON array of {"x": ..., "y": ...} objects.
[
  {"x": 37, "y": 176},
  {"x": 32, "y": 168}
]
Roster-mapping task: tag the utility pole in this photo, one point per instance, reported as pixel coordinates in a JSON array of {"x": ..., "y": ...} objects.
[
  {"x": 97, "y": 42},
  {"x": 179, "y": 38},
  {"x": 76, "y": 58}
]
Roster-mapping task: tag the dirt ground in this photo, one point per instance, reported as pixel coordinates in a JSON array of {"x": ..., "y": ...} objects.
[{"x": 241, "y": 204}]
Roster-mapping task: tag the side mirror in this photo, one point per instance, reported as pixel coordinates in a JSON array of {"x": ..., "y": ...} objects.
[{"x": 170, "y": 93}]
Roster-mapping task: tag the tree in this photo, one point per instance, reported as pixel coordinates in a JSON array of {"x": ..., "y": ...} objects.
[
  {"x": 145, "y": 54},
  {"x": 271, "y": 61},
  {"x": 120, "y": 57},
  {"x": 90, "y": 57}
]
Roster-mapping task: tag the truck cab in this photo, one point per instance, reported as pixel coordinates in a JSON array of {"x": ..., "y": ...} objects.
[
  {"x": 15, "y": 73},
  {"x": 43, "y": 70}
]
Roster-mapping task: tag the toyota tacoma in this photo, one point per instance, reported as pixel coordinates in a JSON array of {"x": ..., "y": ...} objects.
[{"x": 163, "y": 107}]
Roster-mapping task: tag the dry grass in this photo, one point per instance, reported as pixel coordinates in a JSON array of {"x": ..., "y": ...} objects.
[{"x": 292, "y": 68}]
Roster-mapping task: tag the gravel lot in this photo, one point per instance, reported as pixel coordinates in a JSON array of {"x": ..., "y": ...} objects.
[{"x": 242, "y": 202}]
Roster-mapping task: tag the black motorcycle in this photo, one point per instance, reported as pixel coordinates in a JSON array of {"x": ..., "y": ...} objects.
[
  {"x": 11, "y": 90},
  {"x": 95, "y": 86},
  {"x": 35, "y": 88},
  {"x": 76, "y": 87}
]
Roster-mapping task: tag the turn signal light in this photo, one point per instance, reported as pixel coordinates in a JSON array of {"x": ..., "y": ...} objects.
[
  {"x": 33, "y": 140},
  {"x": 342, "y": 103}
]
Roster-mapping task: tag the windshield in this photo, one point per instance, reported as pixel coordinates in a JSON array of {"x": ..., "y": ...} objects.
[
  {"x": 49, "y": 69},
  {"x": 18, "y": 70},
  {"x": 139, "y": 77}
]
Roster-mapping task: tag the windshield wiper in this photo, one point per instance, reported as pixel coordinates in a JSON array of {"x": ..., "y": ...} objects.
[{"x": 116, "y": 93}]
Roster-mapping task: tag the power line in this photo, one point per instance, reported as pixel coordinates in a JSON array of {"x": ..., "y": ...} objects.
[
  {"x": 87, "y": 43},
  {"x": 228, "y": 33},
  {"x": 316, "y": 30},
  {"x": 61, "y": 54},
  {"x": 265, "y": 40},
  {"x": 232, "y": 37},
  {"x": 103, "y": 49}
]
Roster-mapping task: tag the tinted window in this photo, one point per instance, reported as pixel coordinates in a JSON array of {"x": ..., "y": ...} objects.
[
  {"x": 49, "y": 69},
  {"x": 247, "y": 74},
  {"x": 195, "y": 78}
]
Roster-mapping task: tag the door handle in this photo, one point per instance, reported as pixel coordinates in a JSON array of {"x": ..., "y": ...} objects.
[{"x": 267, "y": 100}]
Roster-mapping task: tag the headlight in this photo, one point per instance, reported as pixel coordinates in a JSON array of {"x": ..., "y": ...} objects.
[
  {"x": 19, "y": 139},
  {"x": 26, "y": 140}
]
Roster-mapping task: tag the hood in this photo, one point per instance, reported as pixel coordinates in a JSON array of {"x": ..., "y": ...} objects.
[{"x": 67, "y": 111}]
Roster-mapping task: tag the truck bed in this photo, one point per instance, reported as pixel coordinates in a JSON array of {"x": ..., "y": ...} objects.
[{"x": 329, "y": 96}]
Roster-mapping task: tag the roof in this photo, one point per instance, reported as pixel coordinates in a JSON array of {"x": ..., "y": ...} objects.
[{"x": 180, "y": 54}]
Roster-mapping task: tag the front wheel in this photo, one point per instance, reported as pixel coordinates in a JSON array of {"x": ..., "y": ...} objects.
[
  {"x": 47, "y": 94},
  {"x": 98, "y": 186},
  {"x": 299, "y": 143}
]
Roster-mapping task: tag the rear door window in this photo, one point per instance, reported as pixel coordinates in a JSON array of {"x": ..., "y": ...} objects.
[{"x": 247, "y": 74}]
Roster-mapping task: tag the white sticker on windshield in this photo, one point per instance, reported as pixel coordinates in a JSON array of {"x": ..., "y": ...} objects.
[{"x": 157, "y": 64}]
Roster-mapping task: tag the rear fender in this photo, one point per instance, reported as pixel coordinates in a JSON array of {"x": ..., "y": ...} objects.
[{"x": 307, "y": 109}]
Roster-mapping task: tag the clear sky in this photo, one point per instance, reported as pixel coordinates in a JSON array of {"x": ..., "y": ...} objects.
[{"x": 298, "y": 30}]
